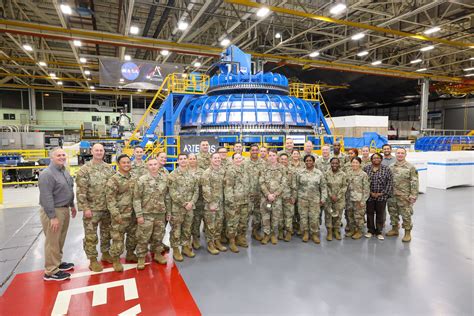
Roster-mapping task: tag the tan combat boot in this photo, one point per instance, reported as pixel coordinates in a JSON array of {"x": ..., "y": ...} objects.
[
  {"x": 288, "y": 236},
  {"x": 316, "y": 239},
  {"x": 357, "y": 235},
  {"x": 349, "y": 233},
  {"x": 407, "y": 237},
  {"x": 95, "y": 266},
  {"x": 232, "y": 245},
  {"x": 141, "y": 263},
  {"x": 256, "y": 235},
  {"x": 188, "y": 251},
  {"x": 265, "y": 239},
  {"x": 392, "y": 232},
  {"x": 329, "y": 236},
  {"x": 106, "y": 257},
  {"x": 118, "y": 267},
  {"x": 242, "y": 241},
  {"x": 220, "y": 246},
  {"x": 160, "y": 258},
  {"x": 280, "y": 234},
  {"x": 337, "y": 234},
  {"x": 131, "y": 257},
  {"x": 196, "y": 243},
  {"x": 274, "y": 239},
  {"x": 212, "y": 249},
  {"x": 177, "y": 256},
  {"x": 305, "y": 236},
  {"x": 224, "y": 239}
]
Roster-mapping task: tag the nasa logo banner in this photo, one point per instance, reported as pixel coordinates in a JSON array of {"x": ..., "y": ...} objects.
[
  {"x": 191, "y": 144},
  {"x": 134, "y": 74}
]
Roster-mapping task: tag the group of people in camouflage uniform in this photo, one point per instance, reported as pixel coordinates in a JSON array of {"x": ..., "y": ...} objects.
[{"x": 284, "y": 193}]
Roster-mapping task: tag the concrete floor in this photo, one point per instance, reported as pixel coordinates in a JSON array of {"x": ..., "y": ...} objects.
[{"x": 433, "y": 275}]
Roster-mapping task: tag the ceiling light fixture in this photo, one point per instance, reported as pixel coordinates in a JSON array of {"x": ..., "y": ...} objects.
[
  {"x": 277, "y": 35},
  {"x": 77, "y": 43},
  {"x": 87, "y": 72},
  {"x": 52, "y": 75},
  {"x": 357, "y": 36},
  {"x": 225, "y": 42},
  {"x": 363, "y": 53},
  {"x": 262, "y": 12},
  {"x": 183, "y": 25},
  {"x": 165, "y": 52},
  {"x": 468, "y": 69},
  {"x": 134, "y": 30},
  {"x": 427, "y": 48},
  {"x": 83, "y": 60},
  {"x": 416, "y": 61},
  {"x": 65, "y": 8},
  {"x": 139, "y": 90},
  {"x": 469, "y": 75},
  {"x": 92, "y": 87},
  {"x": 60, "y": 83},
  {"x": 314, "y": 54},
  {"x": 432, "y": 30},
  {"x": 197, "y": 64},
  {"x": 28, "y": 47},
  {"x": 88, "y": 79},
  {"x": 472, "y": 58},
  {"x": 42, "y": 64},
  {"x": 121, "y": 80},
  {"x": 338, "y": 8},
  {"x": 377, "y": 62},
  {"x": 421, "y": 69},
  {"x": 127, "y": 57}
]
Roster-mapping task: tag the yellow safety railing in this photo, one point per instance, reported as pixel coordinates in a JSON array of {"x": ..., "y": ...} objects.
[
  {"x": 27, "y": 154},
  {"x": 16, "y": 182},
  {"x": 162, "y": 144}
]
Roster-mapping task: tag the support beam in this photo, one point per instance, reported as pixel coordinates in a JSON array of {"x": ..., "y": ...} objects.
[
  {"x": 32, "y": 105},
  {"x": 425, "y": 93}
]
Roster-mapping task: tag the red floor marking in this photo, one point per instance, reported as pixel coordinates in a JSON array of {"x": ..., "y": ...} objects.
[{"x": 161, "y": 291}]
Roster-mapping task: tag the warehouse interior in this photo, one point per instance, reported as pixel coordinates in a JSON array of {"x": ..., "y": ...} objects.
[{"x": 166, "y": 74}]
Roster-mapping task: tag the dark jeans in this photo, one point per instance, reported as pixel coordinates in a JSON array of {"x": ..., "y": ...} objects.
[{"x": 375, "y": 216}]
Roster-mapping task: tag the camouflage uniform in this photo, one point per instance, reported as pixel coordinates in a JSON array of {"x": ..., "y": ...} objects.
[
  {"x": 272, "y": 181},
  {"x": 405, "y": 186},
  {"x": 183, "y": 187},
  {"x": 325, "y": 165},
  {"x": 198, "y": 212},
  {"x": 284, "y": 151},
  {"x": 119, "y": 192},
  {"x": 359, "y": 191},
  {"x": 212, "y": 181},
  {"x": 311, "y": 192},
  {"x": 254, "y": 169},
  {"x": 225, "y": 164},
  {"x": 138, "y": 170},
  {"x": 204, "y": 160},
  {"x": 91, "y": 181},
  {"x": 336, "y": 186},
  {"x": 365, "y": 162},
  {"x": 151, "y": 201},
  {"x": 342, "y": 157},
  {"x": 236, "y": 194},
  {"x": 289, "y": 193}
]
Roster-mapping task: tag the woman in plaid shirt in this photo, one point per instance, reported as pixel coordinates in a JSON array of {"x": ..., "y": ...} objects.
[{"x": 381, "y": 187}]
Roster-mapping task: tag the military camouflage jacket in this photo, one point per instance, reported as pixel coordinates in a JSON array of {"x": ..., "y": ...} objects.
[
  {"x": 183, "y": 187},
  {"x": 204, "y": 160},
  {"x": 311, "y": 186},
  {"x": 336, "y": 184},
  {"x": 150, "y": 194},
  {"x": 119, "y": 192},
  {"x": 273, "y": 180},
  {"x": 358, "y": 186},
  {"x": 288, "y": 152},
  {"x": 405, "y": 180},
  {"x": 365, "y": 162},
  {"x": 138, "y": 170},
  {"x": 254, "y": 168},
  {"x": 289, "y": 192},
  {"x": 197, "y": 173},
  {"x": 324, "y": 165},
  {"x": 212, "y": 181},
  {"x": 91, "y": 182},
  {"x": 236, "y": 185}
]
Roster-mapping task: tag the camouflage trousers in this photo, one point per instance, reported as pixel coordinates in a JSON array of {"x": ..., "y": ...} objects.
[
  {"x": 101, "y": 220},
  {"x": 213, "y": 223},
  {"x": 254, "y": 211},
  {"x": 296, "y": 218},
  {"x": 333, "y": 213},
  {"x": 356, "y": 216},
  {"x": 272, "y": 218},
  {"x": 128, "y": 227},
  {"x": 236, "y": 219},
  {"x": 197, "y": 219},
  {"x": 309, "y": 215},
  {"x": 400, "y": 206},
  {"x": 346, "y": 214},
  {"x": 288, "y": 215},
  {"x": 181, "y": 222},
  {"x": 151, "y": 232}
]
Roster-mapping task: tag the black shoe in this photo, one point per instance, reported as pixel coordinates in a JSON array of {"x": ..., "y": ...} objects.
[
  {"x": 65, "y": 266},
  {"x": 58, "y": 276}
]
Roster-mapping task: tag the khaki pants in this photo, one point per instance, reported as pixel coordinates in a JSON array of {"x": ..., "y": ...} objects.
[{"x": 54, "y": 241}]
